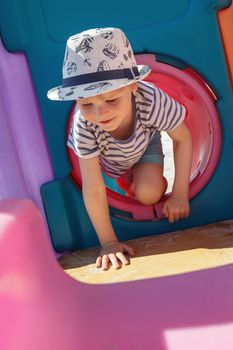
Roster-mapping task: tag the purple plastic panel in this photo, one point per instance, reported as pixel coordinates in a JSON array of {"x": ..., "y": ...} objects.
[
  {"x": 44, "y": 308},
  {"x": 24, "y": 160}
]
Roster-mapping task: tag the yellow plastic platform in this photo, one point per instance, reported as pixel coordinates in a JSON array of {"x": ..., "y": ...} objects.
[{"x": 174, "y": 253}]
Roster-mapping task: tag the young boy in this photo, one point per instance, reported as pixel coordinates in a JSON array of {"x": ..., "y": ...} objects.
[{"x": 116, "y": 127}]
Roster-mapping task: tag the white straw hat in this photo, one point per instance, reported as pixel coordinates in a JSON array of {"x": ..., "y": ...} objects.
[{"x": 96, "y": 61}]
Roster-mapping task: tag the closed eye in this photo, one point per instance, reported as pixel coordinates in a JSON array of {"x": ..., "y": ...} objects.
[
  {"x": 111, "y": 101},
  {"x": 86, "y": 104}
]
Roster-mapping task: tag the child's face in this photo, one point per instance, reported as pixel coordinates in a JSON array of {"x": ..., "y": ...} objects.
[{"x": 109, "y": 110}]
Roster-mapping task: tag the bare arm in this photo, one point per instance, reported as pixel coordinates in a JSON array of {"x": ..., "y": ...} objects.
[
  {"x": 94, "y": 195},
  {"x": 178, "y": 205},
  {"x": 95, "y": 199},
  {"x": 182, "y": 145}
]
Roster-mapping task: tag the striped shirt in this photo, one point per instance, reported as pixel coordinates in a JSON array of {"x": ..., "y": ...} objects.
[{"x": 155, "y": 110}]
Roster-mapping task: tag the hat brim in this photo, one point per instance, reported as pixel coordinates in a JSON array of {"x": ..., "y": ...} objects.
[{"x": 60, "y": 93}]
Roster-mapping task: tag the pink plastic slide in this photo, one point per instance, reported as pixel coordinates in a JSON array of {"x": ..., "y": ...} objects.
[{"x": 43, "y": 308}]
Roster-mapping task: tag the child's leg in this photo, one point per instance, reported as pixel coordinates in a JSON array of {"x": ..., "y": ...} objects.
[{"x": 149, "y": 183}]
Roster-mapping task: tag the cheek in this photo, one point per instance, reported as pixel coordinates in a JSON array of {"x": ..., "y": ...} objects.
[
  {"x": 120, "y": 108},
  {"x": 124, "y": 107},
  {"x": 88, "y": 115}
]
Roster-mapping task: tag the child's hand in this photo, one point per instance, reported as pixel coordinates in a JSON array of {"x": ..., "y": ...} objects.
[
  {"x": 176, "y": 208},
  {"x": 113, "y": 252}
]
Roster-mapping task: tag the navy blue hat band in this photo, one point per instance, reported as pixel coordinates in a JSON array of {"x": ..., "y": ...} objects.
[{"x": 115, "y": 74}]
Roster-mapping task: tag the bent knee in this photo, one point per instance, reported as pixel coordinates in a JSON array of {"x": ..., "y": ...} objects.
[{"x": 147, "y": 195}]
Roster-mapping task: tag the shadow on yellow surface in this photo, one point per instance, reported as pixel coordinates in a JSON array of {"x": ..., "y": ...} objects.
[{"x": 174, "y": 253}]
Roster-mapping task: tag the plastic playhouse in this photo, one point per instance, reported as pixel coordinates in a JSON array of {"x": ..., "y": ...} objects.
[{"x": 188, "y": 45}]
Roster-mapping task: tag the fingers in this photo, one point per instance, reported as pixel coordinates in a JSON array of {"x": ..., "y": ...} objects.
[
  {"x": 176, "y": 208},
  {"x": 114, "y": 261},
  {"x": 122, "y": 258},
  {"x": 98, "y": 262},
  {"x": 175, "y": 215},
  {"x": 117, "y": 259},
  {"x": 102, "y": 261}
]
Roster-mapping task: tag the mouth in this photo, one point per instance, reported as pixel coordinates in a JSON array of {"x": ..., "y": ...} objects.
[{"x": 105, "y": 122}]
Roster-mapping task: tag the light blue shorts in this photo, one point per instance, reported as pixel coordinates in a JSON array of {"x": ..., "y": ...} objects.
[{"x": 154, "y": 151}]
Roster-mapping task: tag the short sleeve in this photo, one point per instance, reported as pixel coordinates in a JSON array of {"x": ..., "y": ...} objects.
[
  {"x": 167, "y": 112},
  {"x": 82, "y": 139}
]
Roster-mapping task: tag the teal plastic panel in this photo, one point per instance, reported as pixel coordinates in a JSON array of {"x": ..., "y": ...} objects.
[
  {"x": 184, "y": 33},
  {"x": 186, "y": 30}
]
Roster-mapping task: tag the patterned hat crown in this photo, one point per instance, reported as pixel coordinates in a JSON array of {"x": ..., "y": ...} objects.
[
  {"x": 97, "y": 60},
  {"x": 97, "y": 50}
]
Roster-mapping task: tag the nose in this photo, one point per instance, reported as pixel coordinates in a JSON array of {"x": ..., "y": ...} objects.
[{"x": 101, "y": 112}]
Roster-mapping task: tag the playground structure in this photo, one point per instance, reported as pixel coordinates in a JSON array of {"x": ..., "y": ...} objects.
[{"x": 190, "y": 45}]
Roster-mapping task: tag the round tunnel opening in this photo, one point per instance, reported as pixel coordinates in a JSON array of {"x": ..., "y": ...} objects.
[{"x": 188, "y": 88}]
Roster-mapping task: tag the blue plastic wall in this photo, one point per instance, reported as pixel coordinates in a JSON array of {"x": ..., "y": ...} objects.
[{"x": 186, "y": 30}]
